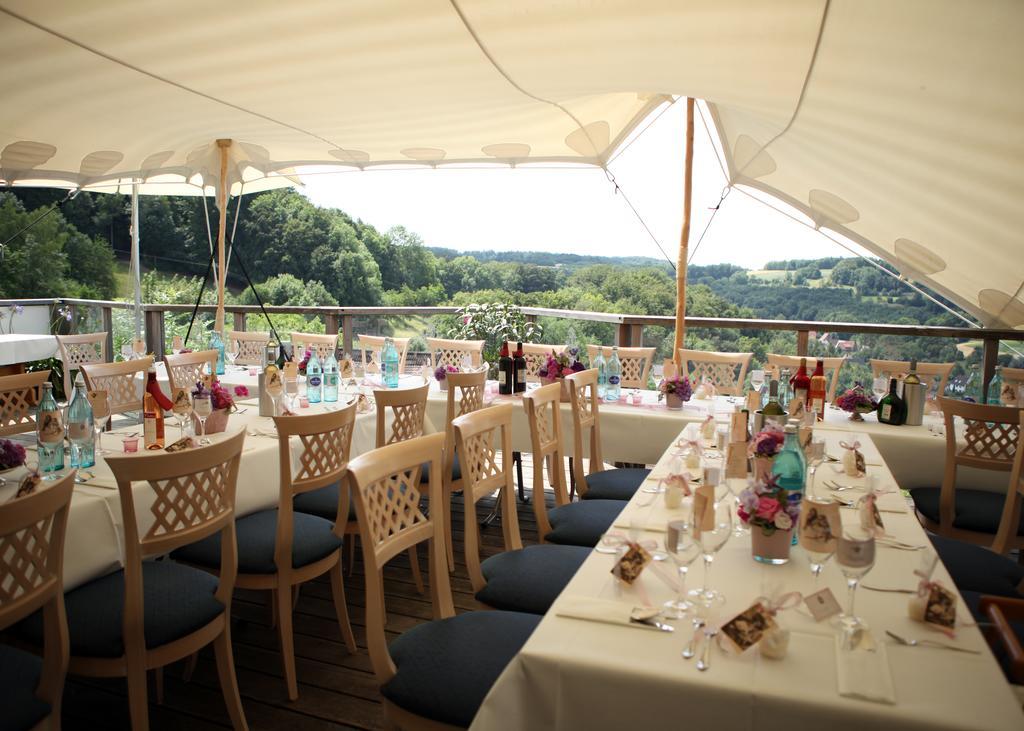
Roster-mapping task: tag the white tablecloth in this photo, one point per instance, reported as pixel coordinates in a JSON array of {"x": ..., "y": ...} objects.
[
  {"x": 18, "y": 348},
  {"x": 575, "y": 674}
]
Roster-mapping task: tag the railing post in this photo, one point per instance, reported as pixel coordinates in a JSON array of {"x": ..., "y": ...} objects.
[
  {"x": 623, "y": 335},
  {"x": 239, "y": 321},
  {"x": 108, "y": 326},
  {"x": 331, "y": 324},
  {"x": 636, "y": 335},
  {"x": 346, "y": 331},
  {"x": 801, "y": 342},
  {"x": 990, "y": 356},
  {"x": 155, "y": 333}
]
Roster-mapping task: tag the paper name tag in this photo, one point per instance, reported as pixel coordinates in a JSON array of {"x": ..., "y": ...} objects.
[
  {"x": 99, "y": 403},
  {"x": 748, "y": 627},
  {"x": 347, "y": 368},
  {"x": 870, "y": 518},
  {"x": 669, "y": 369},
  {"x": 139, "y": 346},
  {"x": 736, "y": 460},
  {"x": 703, "y": 509},
  {"x": 753, "y": 401},
  {"x": 738, "y": 426},
  {"x": 50, "y": 427},
  {"x": 180, "y": 445},
  {"x": 177, "y": 343},
  {"x": 941, "y": 608},
  {"x": 822, "y": 604},
  {"x": 291, "y": 371},
  {"x": 181, "y": 401},
  {"x": 820, "y": 526},
  {"x": 631, "y": 565}
]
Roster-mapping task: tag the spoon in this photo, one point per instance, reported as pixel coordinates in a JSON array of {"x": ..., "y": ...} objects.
[
  {"x": 649, "y": 616},
  {"x": 705, "y": 659},
  {"x": 930, "y": 643},
  {"x": 691, "y": 649}
]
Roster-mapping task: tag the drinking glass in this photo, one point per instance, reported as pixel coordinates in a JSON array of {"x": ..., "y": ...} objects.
[
  {"x": 815, "y": 456},
  {"x": 736, "y": 486},
  {"x": 182, "y": 409},
  {"x": 231, "y": 351},
  {"x": 291, "y": 391},
  {"x": 855, "y": 554},
  {"x": 816, "y": 539},
  {"x": 756, "y": 379},
  {"x": 682, "y": 554},
  {"x": 880, "y": 387},
  {"x": 99, "y": 424},
  {"x": 711, "y": 541},
  {"x": 203, "y": 408}
]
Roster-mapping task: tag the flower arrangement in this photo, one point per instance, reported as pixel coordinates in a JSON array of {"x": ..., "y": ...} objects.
[
  {"x": 442, "y": 372},
  {"x": 559, "y": 365},
  {"x": 241, "y": 391},
  {"x": 305, "y": 361},
  {"x": 220, "y": 397},
  {"x": 856, "y": 401},
  {"x": 678, "y": 386},
  {"x": 767, "y": 505},
  {"x": 11, "y": 454},
  {"x": 768, "y": 442}
]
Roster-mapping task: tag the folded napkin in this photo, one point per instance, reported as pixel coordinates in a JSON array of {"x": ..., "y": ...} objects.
[
  {"x": 864, "y": 674},
  {"x": 599, "y": 610},
  {"x": 649, "y": 527}
]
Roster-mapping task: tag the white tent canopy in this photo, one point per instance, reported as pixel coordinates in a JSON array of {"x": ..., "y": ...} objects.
[{"x": 899, "y": 125}]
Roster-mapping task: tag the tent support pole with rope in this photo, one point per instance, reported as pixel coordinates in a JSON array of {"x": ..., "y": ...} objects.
[
  {"x": 684, "y": 240},
  {"x": 222, "y": 225},
  {"x": 136, "y": 269}
]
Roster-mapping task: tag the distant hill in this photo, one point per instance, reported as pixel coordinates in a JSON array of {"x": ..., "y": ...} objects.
[{"x": 550, "y": 258}]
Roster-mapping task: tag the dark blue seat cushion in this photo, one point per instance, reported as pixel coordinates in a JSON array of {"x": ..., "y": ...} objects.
[
  {"x": 531, "y": 579},
  {"x": 456, "y": 470},
  {"x": 975, "y": 568},
  {"x": 177, "y": 600},
  {"x": 582, "y": 523},
  {"x": 314, "y": 539},
  {"x": 322, "y": 503},
  {"x": 975, "y": 510},
  {"x": 19, "y": 678},
  {"x": 617, "y": 484},
  {"x": 446, "y": 667}
]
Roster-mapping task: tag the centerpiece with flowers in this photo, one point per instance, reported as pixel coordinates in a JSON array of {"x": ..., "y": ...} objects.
[
  {"x": 676, "y": 390},
  {"x": 856, "y": 402},
  {"x": 772, "y": 513},
  {"x": 763, "y": 447},
  {"x": 222, "y": 403},
  {"x": 557, "y": 366},
  {"x": 305, "y": 361},
  {"x": 12, "y": 455},
  {"x": 441, "y": 375}
]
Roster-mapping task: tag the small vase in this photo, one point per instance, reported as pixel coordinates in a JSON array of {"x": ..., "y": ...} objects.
[
  {"x": 855, "y": 416},
  {"x": 771, "y": 548},
  {"x": 216, "y": 422},
  {"x": 565, "y": 386},
  {"x": 763, "y": 468},
  {"x": 673, "y": 401},
  {"x": 443, "y": 383}
]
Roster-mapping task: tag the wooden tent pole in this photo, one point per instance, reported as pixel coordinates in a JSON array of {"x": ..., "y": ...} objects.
[
  {"x": 684, "y": 240},
  {"x": 222, "y": 226}
]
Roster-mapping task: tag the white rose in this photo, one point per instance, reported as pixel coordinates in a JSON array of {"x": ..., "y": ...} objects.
[{"x": 783, "y": 521}]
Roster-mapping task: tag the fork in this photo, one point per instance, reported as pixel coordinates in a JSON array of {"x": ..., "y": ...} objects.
[
  {"x": 836, "y": 487},
  {"x": 930, "y": 643},
  {"x": 691, "y": 649},
  {"x": 705, "y": 659}
]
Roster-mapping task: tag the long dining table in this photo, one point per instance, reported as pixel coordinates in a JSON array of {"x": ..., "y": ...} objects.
[{"x": 577, "y": 673}]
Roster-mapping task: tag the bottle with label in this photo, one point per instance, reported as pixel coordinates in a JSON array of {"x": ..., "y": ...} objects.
[
  {"x": 152, "y": 423},
  {"x": 80, "y": 427},
  {"x": 784, "y": 392},
  {"x": 912, "y": 377},
  {"x": 995, "y": 388},
  {"x": 602, "y": 372},
  {"x": 390, "y": 358},
  {"x": 269, "y": 354},
  {"x": 49, "y": 435},
  {"x": 154, "y": 390},
  {"x": 314, "y": 378},
  {"x": 818, "y": 391},
  {"x": 217, "y": 343},
  {"x": 331, "y": 378},
  {"x": 282, "y": 357},
  {"x": 800, "y": 384},
  {"x": 765, "y": 387},
  {"x": 773, "y": 410},
  {"x": 505, "y": 371},
  {"x": 790, "y": 466},
  {"x": 614, "y": 370},
  {"x": 890, "y": 408},
  {"x": 519, "y": 370}
]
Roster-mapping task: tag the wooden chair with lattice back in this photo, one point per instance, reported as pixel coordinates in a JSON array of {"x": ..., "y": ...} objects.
[
  {"x": 19, "y": 396},
  {"x": 371, "y": 347},
  {"x": 619, "y": 483},
  {"x": 568, "y": 523},
  {"x": 520, "y": 579},
  {"x": 78, "y": 349},
  {"x": 726, "y": 371},
  {"x": 250, "y": 346},
  {"x": 185, "y": 370},
  {"x": 324, "y": 345},
  {"x": 452, "y": 352},
  {"x": 121, "y": 382},
  {"x": 153, "y": 613},
  {"x": 933, "y": 375},
  {"x": 535, "y": 355},
  {"x": 636, "y": 363},
  {"x": 281, "y": 548},
  {"x": 989, "y": 440},
  {"x": 32, "y": 530},
  {"x": 831, "y": 366},
  {"x": 436, "y": 676}
]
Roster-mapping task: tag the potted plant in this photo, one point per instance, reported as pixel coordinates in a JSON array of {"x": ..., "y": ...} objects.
[
  {"x": 556, "y": 367},
  {"x": 763, "y": 447},
  {"x": 856, "y": 402},
  {"x": 676, "y": 390},
  {"x": 223, "y": 404},
  {"x": 441, "y": 375},
  {"x": 771, "y": 514}
]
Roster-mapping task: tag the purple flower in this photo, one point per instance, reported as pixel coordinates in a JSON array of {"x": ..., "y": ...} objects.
[
  {"x": 678, "y": 385},
  {"x": 11, "y": 454},
  {"x": 442, "y": 372}
]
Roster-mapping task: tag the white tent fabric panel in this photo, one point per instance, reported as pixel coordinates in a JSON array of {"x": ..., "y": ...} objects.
[{"x": 896, "y": 124}]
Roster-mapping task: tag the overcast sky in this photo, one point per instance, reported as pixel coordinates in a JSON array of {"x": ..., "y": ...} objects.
[{"x": 577, "y": 210}]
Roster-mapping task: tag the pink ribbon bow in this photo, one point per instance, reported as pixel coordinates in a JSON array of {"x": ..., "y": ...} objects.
[
  {"x": 854, "y": 446},
  {"x": 789, "y": 600}
]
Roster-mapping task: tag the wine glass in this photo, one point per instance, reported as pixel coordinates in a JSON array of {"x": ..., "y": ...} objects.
[
  {"x": 203, "y": 408},
  {"x": 736, "y": 487},
  {"x": 880, "y": 387},
  {"x": 182, "y": 408},
  {"x": 855, "y": 554},
  {"x": 682, "y": 554},
  {"x": 711, "y": 540},
  {"x": 815, "y": 456},
  {"x": 126, "y": 350},
  {"x": 291, "y": 391},
  {"x": 815, "y": 534},
  {"x": 231, "y": 351},
  {"x": 756, "y": 379}
]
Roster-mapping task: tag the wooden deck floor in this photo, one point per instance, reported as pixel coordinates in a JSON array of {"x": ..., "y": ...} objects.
[{"x": 337, "y": 690}]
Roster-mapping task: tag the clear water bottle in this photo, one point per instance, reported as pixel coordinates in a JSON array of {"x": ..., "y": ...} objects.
[
  {"x": 785, "y": 393},
  {"x": 602, "y": 373},
  {"x": 49, "y": 435},
  {"x": 790, "y": 466},
  {"x": 390, "y": 357},
  {"x": 995, "y": 388},
  {"x": 217, "y": 343},
  {"x": 314, "y": 378},
  {"x": 613, "y": 391},
  {"x": 331, "y": 378},
  {"x": 80, "y": 427}
]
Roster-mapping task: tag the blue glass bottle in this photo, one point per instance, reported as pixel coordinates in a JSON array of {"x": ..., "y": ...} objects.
[
  {"x": 314, "y": 378},
  {"x": 80, "y": 427},
  {"x": 49, "y": 435},
  {"x": 390, "y": 357},
  {"x": 331, "y": 377},
  {"x": 790, "y": 466},
  {"x": 614, "y": 369},
  {"x": 602, "y": 373},
  {"x": 217, "y": 343}
]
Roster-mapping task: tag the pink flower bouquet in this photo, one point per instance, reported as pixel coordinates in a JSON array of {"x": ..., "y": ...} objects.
[{"x": 768, "y": 506}]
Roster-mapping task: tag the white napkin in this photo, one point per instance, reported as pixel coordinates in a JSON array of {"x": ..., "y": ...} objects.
[
  {"x": 599, "y": 610},
  {"x": 864, "y": 674}
]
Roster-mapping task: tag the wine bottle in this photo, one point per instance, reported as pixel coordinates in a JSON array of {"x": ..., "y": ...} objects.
[
  {"x": 785, "y": 392},
  {"x": 49, "y": 434},
  {"x": 152, "y": 423},
  {"x": 153, "y": 388},
  {"x": 505, "y": 371},
  {"x": 790, "y": 467},
  {"x": 912, "y": 377},
  {"x": 773, "y": 410},
  {"x": 800, "y": 383},
  {"x": 890, "y": 408},
  {"x": 818, "y": 391},
  {"x": 519, "y": 370}
]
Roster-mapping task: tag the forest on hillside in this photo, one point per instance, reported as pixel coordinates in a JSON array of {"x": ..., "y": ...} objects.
[{"x": 301, "y": 254}]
